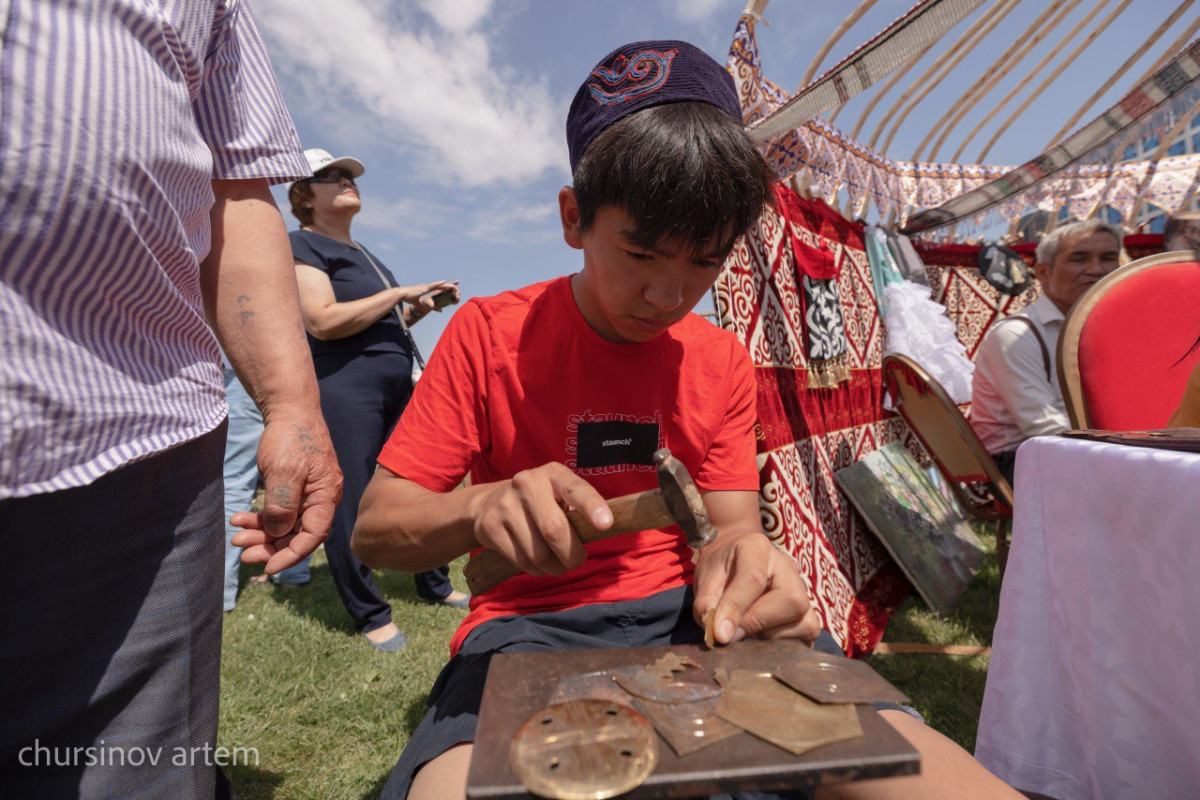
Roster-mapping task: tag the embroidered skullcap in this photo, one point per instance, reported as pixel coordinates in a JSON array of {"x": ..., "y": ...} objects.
[{"x": 644, "y": 74}]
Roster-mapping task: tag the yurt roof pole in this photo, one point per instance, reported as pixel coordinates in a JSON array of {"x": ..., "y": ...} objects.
[
  {"x": 755, "y": 8},
  {"x": 1038, "y": 30},
  {"x": 1112, "y": 15},
  {"x": 1164, "y": 144},
  {"x": 1033, "y": 73},
  {"x": 915, "y": 31},
  {"x": 879, "y": 95},
  {"x": 1173, "y": 50},
  {"x": 1129, "y": 62},
  {"x": 958, "y": 51},
  {"x": 966, "y": 37},
  {"x": 838, "y": 33}
]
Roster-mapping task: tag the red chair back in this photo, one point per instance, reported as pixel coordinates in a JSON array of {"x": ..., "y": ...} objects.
[{"x": 1121, "y": 348}]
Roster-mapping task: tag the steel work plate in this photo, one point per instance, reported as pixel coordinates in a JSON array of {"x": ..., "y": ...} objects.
[{"x": 518, "y": 684}]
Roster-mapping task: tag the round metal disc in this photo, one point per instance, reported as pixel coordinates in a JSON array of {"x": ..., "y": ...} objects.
[{"x": 584, "y": 750}]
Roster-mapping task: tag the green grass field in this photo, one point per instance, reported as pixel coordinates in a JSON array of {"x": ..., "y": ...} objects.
[{"x": 327, "y": 716}]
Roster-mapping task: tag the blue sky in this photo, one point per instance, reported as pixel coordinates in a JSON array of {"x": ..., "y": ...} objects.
[{"x": 457, "y": 107}]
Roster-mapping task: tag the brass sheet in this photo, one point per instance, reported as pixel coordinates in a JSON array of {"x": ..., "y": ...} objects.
[
  {"x": 584, "y": 750},
  {"x": 671, "y": 679},
  {"x": 591, "y": 686},
  {"x": 688, "y": 727},
  {"x": 770, "y": 710},
  {"x": 839, "y": 680}
]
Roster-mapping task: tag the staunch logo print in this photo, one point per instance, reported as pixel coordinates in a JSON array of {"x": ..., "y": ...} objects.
[
  {"x": 626, "y": 78},
  {"x": 602, "y": 444}
]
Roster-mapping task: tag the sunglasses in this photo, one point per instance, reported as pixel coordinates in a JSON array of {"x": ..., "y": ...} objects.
[{"x": 334, "y": 175}]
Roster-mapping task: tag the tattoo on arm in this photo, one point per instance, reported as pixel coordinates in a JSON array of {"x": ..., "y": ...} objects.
[{"x": 244, "y": 311}]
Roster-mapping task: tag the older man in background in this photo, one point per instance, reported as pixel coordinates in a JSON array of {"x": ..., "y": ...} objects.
[
  {"x": 140, "y": 140},
  {"x": 1016, "y": 394}
]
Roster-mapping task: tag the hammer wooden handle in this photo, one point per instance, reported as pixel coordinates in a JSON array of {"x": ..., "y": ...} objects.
[{"x": 633, "y": 512}]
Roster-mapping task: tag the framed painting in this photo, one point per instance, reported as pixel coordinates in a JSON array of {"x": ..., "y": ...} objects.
[{"x": 917, "y": 520}]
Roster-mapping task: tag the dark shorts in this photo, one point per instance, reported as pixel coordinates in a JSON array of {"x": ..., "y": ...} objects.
[{"x": 661, "y": 619}]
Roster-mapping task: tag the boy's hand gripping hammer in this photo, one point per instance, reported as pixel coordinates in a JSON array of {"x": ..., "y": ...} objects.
[{"x": 676, "y": 501}]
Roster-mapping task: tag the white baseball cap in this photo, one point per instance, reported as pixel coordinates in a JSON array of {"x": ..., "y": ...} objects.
[{"x": 319, "y": 159}]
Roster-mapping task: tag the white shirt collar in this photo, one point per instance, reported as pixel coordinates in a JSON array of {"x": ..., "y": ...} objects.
[{"x": 1046, "y": 311}]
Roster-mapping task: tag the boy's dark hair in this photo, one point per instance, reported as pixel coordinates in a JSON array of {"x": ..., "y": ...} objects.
[
  {"x": 298, "y": 192},
  {"x": 684, "y": 173}
]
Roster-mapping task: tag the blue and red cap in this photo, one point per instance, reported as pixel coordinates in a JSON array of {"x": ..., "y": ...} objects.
[{"x": 640, "y": 75}]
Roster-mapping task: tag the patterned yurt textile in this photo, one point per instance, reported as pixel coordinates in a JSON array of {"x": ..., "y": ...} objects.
[
  {"x": 972, "y": 303},
  {"x": 805, "y": 435}
]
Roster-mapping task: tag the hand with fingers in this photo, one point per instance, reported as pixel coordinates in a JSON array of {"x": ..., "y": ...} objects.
[
  {"x": 523, "y": 519},
  {"x": 303, "y": 486},
  {"x": 422, "y": 294},
  {"x": 754, "y": 590}
]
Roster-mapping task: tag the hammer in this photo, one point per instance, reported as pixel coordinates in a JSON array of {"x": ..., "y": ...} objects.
[{"x": 676, "y": 501}]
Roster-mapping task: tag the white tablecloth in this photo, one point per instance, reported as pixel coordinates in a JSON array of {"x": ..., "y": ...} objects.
[{"x": 1093, "y": 690}]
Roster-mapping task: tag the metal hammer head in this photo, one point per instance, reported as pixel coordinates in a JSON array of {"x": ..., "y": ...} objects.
[{"x": 683, "y": 499}]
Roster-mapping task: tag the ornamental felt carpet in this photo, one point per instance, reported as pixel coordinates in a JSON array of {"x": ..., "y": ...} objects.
[
  {"x": 805, "y": 435},
  {"x": 972, "y": 303}
]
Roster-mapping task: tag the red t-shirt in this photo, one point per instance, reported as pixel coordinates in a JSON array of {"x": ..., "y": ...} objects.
[{"x": 520, "y": 380}]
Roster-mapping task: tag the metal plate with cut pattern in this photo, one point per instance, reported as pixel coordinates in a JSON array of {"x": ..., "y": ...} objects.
[
  {"x": 590, "y": 686},
  {"x": 839, "y": 680},
  {"x": 688, "y": 727},
  {"x": 584, "y": 750},
  {"x": 670, "y": 679},
  {"x": 770, "y": 710}
]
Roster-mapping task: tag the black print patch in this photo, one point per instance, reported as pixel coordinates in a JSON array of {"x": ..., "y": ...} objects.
[{"x": 605, "y": 444}]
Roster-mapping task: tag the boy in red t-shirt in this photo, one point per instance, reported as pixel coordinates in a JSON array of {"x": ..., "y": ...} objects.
[{"x": 559, "y": 393}]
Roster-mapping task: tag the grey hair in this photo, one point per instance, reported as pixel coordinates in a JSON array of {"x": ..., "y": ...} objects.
[{"x": 1047, "y": 248}]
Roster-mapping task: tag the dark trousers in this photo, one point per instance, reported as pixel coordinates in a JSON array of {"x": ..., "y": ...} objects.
[
  {"x": 362, "y": 397},
  {"x": 1006, "y": 462},
  {"x": 110, "y": 632}
]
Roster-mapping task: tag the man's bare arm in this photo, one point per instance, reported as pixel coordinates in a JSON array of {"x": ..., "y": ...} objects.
[{"x": 251, "y": 301}]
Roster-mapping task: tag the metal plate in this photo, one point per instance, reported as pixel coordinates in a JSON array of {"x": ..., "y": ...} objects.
[
  {"x": 839, "y": 680},
  {"x": 770, "y": 710},
  {"x": 591, "y": 686},
  {"x": 688, "y": 727},
  {"x": 584, "y": 750},
  {"x": 671, "y": 679}
]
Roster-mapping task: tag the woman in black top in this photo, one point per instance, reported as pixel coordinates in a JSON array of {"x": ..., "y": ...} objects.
[{"x": 363, "y": 355}]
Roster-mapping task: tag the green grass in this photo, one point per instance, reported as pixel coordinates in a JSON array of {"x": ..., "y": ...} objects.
[
  {"x": 328, "y": 715},
  {"x": 947, "y": 690}
]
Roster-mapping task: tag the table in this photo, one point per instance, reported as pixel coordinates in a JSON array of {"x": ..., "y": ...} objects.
[
  {"x": 518, "y": 684},
  {"x": 1093, "y": 690}
]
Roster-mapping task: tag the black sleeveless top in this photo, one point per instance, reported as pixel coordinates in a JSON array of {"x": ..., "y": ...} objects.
[{"x": 352, "y": 278}]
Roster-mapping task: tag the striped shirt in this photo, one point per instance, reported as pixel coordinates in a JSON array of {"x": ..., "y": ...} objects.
[{"x": 115, "y": 117}]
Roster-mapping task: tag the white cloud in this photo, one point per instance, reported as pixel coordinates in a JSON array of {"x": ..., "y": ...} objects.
[
  {"x": 696, "y": 10},
  {"x": 408, "y": 216},
  {"x": 519, "y": 224},
  {"x": 457, "y": 15},
  {"x": 436, "y": 93}
]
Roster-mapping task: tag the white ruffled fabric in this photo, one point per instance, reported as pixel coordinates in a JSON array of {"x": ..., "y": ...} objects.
[{"x": 917, "y": 326}]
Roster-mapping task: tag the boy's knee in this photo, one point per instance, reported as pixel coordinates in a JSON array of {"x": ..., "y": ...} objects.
[{"x": 445, "y": 777}]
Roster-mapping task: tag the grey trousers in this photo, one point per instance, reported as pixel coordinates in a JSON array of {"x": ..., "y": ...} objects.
[{"x": 110, "y": 632}]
